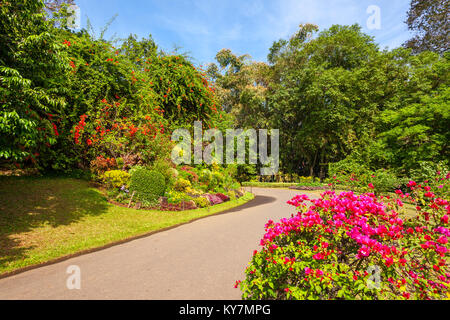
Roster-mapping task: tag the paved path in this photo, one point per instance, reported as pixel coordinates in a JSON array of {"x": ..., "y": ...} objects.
[{"x": 200, "y": 260}]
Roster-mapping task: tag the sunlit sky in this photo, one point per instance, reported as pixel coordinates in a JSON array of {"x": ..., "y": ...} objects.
[{"x": 203, "y": 27}]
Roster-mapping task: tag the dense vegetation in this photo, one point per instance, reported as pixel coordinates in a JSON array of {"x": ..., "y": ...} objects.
[
  {"x": 335, "y": 95},
  {"x": 351, "y": 116}
]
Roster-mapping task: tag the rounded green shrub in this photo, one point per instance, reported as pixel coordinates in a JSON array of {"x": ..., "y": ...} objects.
[{"x": 148, "y": 185}]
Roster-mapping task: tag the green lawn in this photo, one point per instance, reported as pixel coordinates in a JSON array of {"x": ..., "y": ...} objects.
[
  {"x": 269, "y": 184},
  {"x": 46, "y": 218}
]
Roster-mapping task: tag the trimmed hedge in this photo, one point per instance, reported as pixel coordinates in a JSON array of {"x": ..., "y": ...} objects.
[{"x": 148, "y": 185}]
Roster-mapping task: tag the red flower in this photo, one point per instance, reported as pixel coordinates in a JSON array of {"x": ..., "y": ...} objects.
[{"x": 55, "y": 129}]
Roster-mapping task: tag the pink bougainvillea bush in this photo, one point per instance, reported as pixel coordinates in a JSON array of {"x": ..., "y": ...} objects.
[{"x": 349, "y": 246}]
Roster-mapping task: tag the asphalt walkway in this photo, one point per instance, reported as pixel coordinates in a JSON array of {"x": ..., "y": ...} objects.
[{"x": 199, "y": 261}]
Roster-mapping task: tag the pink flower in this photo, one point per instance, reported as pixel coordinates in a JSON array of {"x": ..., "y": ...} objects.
[
  {"x": 318, "y": 256},
  {"x": 364, "y": 251},
  {"x": 325, "y": 245},
  {"x": 411, "y": 184},
  {"x": 443, "y": 240},
  {"x": 307, "y": 271},
  {"x": 388, "y": 261}
]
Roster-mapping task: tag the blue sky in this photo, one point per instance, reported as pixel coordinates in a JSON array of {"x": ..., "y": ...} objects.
[{"x": 203, "y": 27}]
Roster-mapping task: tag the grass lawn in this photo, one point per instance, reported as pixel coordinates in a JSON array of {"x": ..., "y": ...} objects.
[
  {"x": 269, "y": 184},
  {"x": 44, "y": 218}
]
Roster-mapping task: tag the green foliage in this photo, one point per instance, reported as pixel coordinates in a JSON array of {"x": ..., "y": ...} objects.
[
  {"x": 245, "y": 172},
  {"x": 201, "y": 202},
  {"x": 350, "y": 173},
  {"x": 217, "y": 179},
  {"x": 32, "y": 66},
  {"x": 148, "y": 185},
  {"x": 120, "y": 162},
  {"x": 164, "y": 167},
  {"x": 428, "y": 169},
  {"x": 176, "y": 197},
  {"x": 116, "y": 178},
  {"x": 205, "y": 176},
  {"x": 182, "y": 184},
  {"x": 429, "y": 19},
  {"x": 121, "y": 100}
]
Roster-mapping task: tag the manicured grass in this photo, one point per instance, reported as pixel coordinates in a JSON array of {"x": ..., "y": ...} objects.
[
  {"x": 44, "y": 218},
  {"x": 269, "y": 184}
]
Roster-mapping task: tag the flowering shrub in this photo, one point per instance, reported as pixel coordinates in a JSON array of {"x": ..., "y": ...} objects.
[
  {"x": 182, "y": 184},
  {"x": 188, "y": 173},
  {"x": 102, "y": 164},
  {"x": 348, "y": 246},
  {"x": 115, "y": 178},
  {"x": 176, "y": 197},
  {"x": 201, "y": 202},
  {"x": 205, "y": 176},
  {"x": 223, "y": 197}
]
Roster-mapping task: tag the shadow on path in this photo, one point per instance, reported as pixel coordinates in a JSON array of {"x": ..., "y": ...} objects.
[{"x": 257, "y": 201}]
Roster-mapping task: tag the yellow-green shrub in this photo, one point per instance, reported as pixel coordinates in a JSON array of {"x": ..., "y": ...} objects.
[
  {"x": 201, "y": 202},
  {"x": 182, "y": 184},
  {"x": 115, "y": 178}
]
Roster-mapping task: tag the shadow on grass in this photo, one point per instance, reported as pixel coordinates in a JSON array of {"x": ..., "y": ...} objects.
[{"x": 27, "y": 203}]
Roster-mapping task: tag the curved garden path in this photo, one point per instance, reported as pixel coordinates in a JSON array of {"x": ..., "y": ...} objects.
[{"x": 199, "y": 260}]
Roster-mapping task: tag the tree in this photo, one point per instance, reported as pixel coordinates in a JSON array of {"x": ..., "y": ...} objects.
[
  {"x": 321, "y": 95},
  {"x": 32, "y": 64},
  {"x": 429, "y": 19},
  {"x": 416, "y": 128},
  {"x": 241, "y": 87}
]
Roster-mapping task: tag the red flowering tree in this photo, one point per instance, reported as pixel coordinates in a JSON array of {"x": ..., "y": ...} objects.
[{"x": 115, "y": 132}]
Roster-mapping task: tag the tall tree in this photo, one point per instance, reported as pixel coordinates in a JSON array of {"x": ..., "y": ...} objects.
[
  {"x": 32, "y": 65},
  {"x": 429, "y": 19},
  {"x": 241, "y": 87}
]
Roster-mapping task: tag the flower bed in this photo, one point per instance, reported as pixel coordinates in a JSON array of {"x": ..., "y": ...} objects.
[{"x": 347, "y": 246}]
